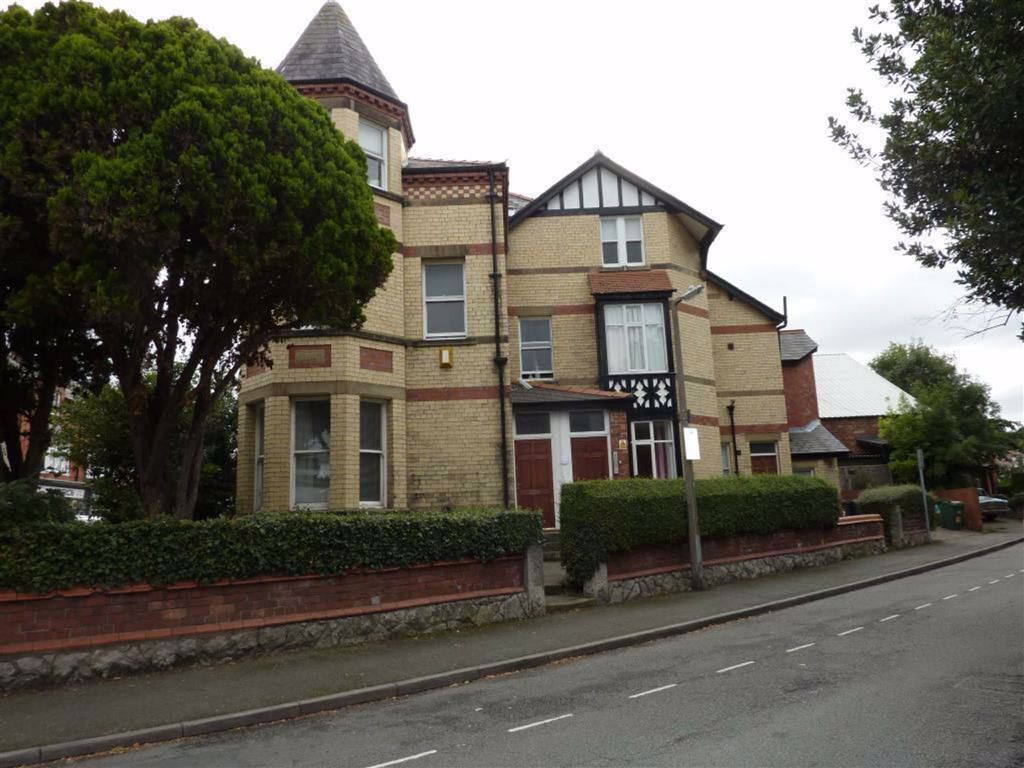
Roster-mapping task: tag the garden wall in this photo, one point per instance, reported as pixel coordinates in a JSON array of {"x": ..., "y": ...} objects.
[
  {"x": 649, "y": 570},
  {"x": 77, "y": 634}
]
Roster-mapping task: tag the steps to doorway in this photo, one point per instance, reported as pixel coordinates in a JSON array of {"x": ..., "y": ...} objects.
[{"x": 558, "y": 596}]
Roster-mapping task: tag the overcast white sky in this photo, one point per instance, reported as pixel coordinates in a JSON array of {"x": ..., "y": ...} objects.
[{"x": 724, "y": 105}]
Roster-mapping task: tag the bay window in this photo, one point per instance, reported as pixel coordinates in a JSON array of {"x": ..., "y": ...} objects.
[
  {"x": 373, "y": 139},
  {"x": 258, "y": 418},
  {"x": 635, "y": 338},
  {"x": 372, "y": 458},
  {"x": 311, "y": 452}
]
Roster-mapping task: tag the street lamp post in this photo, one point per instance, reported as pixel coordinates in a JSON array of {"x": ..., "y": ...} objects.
[{"x": 693, "y": 535}]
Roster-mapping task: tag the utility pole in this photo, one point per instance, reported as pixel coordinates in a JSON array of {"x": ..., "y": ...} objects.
[{"x": 692, "y": 525}]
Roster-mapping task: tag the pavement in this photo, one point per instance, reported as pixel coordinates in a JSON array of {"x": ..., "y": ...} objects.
[{"x": 93, "y": 717}]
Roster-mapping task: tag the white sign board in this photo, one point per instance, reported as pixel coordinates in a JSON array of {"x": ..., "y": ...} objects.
[{"x": 691, "y": 444}]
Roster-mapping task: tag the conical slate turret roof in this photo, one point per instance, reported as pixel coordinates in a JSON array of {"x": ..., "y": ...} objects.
[{"x": 331, "y": 49}]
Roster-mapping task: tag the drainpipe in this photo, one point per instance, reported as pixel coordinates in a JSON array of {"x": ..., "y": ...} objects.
[
  {"x": 785, "y": 315},
  {"x": 500, "y": 360},
  {"x": 731, "y": 408}
]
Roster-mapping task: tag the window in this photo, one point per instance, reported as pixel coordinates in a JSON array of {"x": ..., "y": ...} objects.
[
  {"x": 622, "y": 241},
  {"x": 804, "y": 471},
  {"x": 372, "y": 464},
  {"x": 56, "y": 464},
  {"x": 763, "y": 459},
  {"x": 635, "y": 338},
  {"x": 586, "y": 422},
  {"x": 374, "y": 141},
  {"x": 444, "y": 300},
  {"x": 258, "y": 416},
  {"x": 654, "y": 452},
  {"x": 726, "y": 459},
  {"x": 535, "y": 348},
  {"x": 311, "y": 452},
  {"x": 532, "y": 423}
]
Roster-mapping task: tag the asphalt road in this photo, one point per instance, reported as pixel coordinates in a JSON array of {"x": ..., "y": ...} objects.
[{"x": 923, "y": 671}]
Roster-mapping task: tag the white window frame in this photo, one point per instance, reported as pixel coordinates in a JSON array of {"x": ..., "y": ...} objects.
[
  {"x": 383, "y": 184},
  {"x": 441, "y": 299},
  {"x": 534, "y": 435},
  {"x": 527, "y": 345},
  {"x": 620, "y": 239},
  {"x": 648, "y": 444},
  {"x": 383, "y": 453},
  {"x": 774, "y": 452},
  {"x": 259, "y": 458},
  {"x": 727, "y": 459},
  {"x": 295, "y": 452},
  {"x": 643, "y": 333}
]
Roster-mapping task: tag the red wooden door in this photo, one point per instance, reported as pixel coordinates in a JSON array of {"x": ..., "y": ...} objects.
[
  {"x": 589, "y": 458},
  {"x": 534, "y": 486}
]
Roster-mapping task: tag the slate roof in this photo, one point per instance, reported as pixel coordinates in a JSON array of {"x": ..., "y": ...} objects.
[
  {"x": 796, "y": 345},
  {"x": 331, "y": 49},
  {"x": 630, "y": 281},
  {"x": 813, "y": 438},
  {"x": 430, "y": 162},
  {"x": 848, "y": 389},
  {"x": 545, "y": 393}
]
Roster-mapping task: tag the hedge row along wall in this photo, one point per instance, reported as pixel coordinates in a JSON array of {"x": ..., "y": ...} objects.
[
  {"x": 603, "y": 517},
  {"x": 41, "y": 558},
  {"x": 905, "y": 500}
]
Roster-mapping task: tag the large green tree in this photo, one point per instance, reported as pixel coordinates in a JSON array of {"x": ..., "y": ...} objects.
[
  {"x": 187, "y": 206},
  {"x": 953, "y": 419},
  {"x": 92, "y": 430},
  {"x": 953, "y": 155}
]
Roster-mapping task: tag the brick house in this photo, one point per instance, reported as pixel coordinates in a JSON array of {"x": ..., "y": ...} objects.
[{"x": 518, "y": 344}]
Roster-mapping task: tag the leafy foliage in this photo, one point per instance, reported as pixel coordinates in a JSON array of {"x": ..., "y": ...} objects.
[
  {"x": 884, "y": 500},
  {"x": 22, "y": 503},
  {"x": 183, "y": 203},
  {"x": 954, "y": 421},
  {"x": 44, "y": 557},
  {"x": 599, "y": 517},
  {"x": 953, "y": 159}
]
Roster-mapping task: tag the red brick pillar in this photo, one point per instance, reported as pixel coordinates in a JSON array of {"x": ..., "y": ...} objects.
[{"x": 620, "y": 443}]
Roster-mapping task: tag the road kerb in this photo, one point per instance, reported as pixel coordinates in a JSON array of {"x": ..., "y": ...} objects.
[{"x": 231, "y": 721}]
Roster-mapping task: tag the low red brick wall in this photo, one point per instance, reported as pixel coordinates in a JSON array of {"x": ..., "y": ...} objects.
[
  {"x": 79, "y": 618},
  {"x": 645, "y": 561},
  {"x": 972, "y": 507}
]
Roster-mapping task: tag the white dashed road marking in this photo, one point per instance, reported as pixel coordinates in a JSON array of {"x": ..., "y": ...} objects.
[
  {"x": 734, "y": 666},
  {"x": 889, "y": 618},
  {"x": 539, "y": 722},
  {"x": 653, "y": 690},
  {"x": 973, "y": 589},
  {"x": 850, "y": 631},
  {"x": 800, "y": 647},
  {"x": 949, "y": 597},
  {"x": 994, "y": 581},
  {"x": 1009, "y": 575},
  {"x": 922, "y": 606},
  {"x": 404, "y": 759}
]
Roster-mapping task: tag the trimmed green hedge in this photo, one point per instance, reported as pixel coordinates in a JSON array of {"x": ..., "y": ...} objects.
[
  {"x": 599, "y": 517},
  {"x": 48, "y": 556},
  {"x": 882, "y": 500}
]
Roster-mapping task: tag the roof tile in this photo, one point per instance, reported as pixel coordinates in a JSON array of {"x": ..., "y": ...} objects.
[{"x": 630, "y": 281}]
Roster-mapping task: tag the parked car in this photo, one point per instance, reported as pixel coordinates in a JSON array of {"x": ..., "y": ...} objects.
[{"x": 992, "y": 505}]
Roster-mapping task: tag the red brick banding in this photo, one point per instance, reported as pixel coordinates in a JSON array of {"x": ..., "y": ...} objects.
[
  {"x": 562, "y": 309},
  {"x": 376, "y": 359},
  {"x": 309, "y": 355},
  {"x": 726, "y": 429},
  {"x": 646, "y": 561},
  {"x": 630, "y": 281},
  {"x": 383, "y": 214},
  {"x": 82, "y": 617},
  {"x": 471, "y": 249},
  {"x": 689, "y": 309},
  {"x": 754, "y": 328},
  {"x": 428, "y": 394}
]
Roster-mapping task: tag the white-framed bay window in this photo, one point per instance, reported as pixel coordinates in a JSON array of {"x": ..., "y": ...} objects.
[
  {"x": 444, "y": 299},
  {"x": 622, "y": 241},
  {"x": 635, "y": 338},
  {"x": 372, "y": 454},
  {"x": 654, "y": 449},
  {"x": 373, "y": 139},
  {"x": 311, "y": 452},
  {"x": 259, "y": 417},
  {"x": 535, "y": 356}
]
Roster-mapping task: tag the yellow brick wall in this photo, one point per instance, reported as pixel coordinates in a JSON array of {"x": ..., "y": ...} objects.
[
  {"x": 564, "y": 241},
  {"x": 479, "y": 296},
  {"x": 825, "y": 468},
  {"x": 450, "y": 225},
  {"x": 245, "y": 459},
  {"x": 574, "y": 349}
]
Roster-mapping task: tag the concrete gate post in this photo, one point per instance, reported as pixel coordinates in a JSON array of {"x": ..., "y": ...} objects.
[{"x": 533, "y": 578}]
